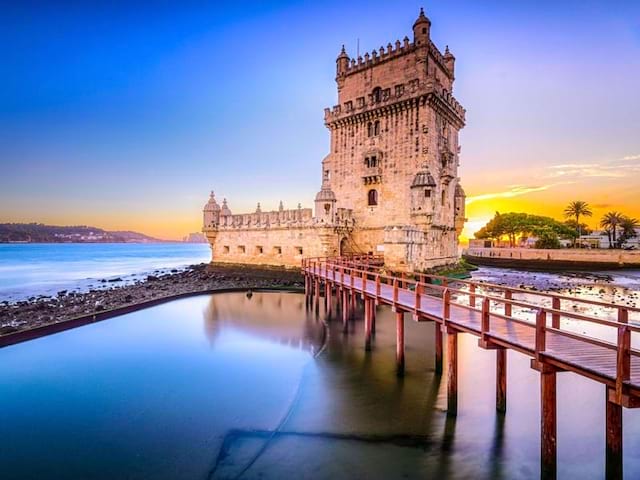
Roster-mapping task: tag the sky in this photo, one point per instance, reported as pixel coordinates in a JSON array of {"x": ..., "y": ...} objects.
[{"x": 124, "y": 115}]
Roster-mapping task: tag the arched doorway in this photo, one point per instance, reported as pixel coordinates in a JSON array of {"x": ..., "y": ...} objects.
[{"x": 345, "y": 246}]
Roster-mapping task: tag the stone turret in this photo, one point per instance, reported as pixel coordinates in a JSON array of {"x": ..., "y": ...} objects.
[
  {"x": 225, "y": 210},
  {"x": 459, "y": 205},
  {"x": 421, "y": 30},
  {"x": 449, "y": 60},
  {"x": 342, "y": 62},
  {"x": 211, "y": 213},
  {"x": 325, "y": 204},
  {"x": 422, "y": 197}
]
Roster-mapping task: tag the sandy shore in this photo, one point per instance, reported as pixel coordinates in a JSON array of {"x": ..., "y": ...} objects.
[{"x": 40, "y": 311}]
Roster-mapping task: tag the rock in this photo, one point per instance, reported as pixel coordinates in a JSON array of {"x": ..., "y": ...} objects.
[
  {"x": 117, "y": 279},
  {"x": 152, "y": 278}
]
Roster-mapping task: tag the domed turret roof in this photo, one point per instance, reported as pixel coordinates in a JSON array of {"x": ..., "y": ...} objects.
[
  {"x": 343, "y": 54},
  {"x": 225, "y": 208},
  {"x": 212, "y": 205},
  {"x": 423, "y": 179},
  {"x": 326, "y": 195},
  {"x": 460, "y": 191},
  {"x": 422, "y": 18}
]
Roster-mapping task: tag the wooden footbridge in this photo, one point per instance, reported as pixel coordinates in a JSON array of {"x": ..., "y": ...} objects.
[{"x": 537, "y": 324}]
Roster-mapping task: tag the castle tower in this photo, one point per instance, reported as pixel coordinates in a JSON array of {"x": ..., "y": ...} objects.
[{"x": 394, "y": 150}]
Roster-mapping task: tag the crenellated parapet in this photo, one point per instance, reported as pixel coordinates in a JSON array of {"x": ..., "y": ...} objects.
[{"x": 282, "y": 218}]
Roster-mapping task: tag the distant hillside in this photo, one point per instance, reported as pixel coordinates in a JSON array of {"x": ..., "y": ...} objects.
[{"x": 40, "y": 233}]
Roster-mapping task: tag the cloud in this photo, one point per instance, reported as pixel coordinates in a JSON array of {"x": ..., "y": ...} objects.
[
  {"x": 514, "y": 191},
  {"x": 619, "y": 168}
]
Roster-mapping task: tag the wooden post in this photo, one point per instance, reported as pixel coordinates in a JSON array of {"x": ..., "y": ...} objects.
[
  {"x": 399, "y": 344},
  {"x": 623, "y": 361},
  {"x": 378, "y": 286},
  {"x": 367, "y": 324},
  {"x": 373, "y": 317},
  {"x": 541, "y": 327},
  {"x": 507, "y": 306},
  {"x": 472, "y": 297},
  {"x": 345, "y": 310},
  {"x": 548, "y": 440},
  {"x": 438, "y": 347},
  {"x": 486, "y": 318},
  {"x": 452, "y": 372},
  {"x": 555, "y": 317},
  {"x": 613, "y": 468},
  {"x": 501, "y": 380}
]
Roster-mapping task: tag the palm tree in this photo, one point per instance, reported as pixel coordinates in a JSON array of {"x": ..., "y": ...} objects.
[
  {"x": 628, "y": 226},
  {"x": 577, "y": 209},
  {"x": 610, "y": 222}
]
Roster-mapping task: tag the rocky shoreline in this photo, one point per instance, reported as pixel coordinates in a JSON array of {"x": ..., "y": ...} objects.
[{"x": 46, "y": 310}]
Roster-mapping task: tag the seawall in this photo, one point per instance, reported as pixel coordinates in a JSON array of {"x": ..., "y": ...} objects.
[{"x": 562, "y": 259}]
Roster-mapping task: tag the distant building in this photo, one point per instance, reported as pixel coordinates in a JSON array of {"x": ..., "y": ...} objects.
[
  {"x": 389, "y": 183},
  {"x": 196, "y": 237}
]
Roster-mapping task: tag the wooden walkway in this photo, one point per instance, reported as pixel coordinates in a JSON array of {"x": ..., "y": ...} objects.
[{"x": 535, "y": 324}]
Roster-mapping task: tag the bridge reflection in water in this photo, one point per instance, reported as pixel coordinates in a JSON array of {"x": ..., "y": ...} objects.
[{"x": 352, "y": 416}]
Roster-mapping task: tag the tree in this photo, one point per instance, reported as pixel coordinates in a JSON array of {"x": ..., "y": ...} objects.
[
  {"x": 548, "y": 240},
  {"x": 628, "y": 226},
  {"x": 513, "y": 225},
  {"x": 575, "y": 210},
  {"x": 611, "y": 222},
  {"x": 580, "y": 229}
]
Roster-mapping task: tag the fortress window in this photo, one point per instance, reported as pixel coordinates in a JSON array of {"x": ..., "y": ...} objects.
[
  {"x": 366, "y": 162},
  {"x": 299, "y": 250},
  {"x": 377, "y": 95},
  {"x": 376, "y": 128},
  {"x": 327, "y": 174},
  {"x": 225, "y": 249},
  {"x": 277, "y": 250},
  {"x": 424, "y": 30},
  {"x": 427, "y": 193},
  {"x": 241, "y": 249},
  {"x": 372, "y": 198},
  {"x": 444, "y": 197},
  {"x": 259, "y": 250},
  {"x": 370, "y": 129},
  {"x": 327, "y": 208}
]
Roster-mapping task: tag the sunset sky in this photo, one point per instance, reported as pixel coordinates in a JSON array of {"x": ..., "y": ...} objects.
[{"x": 124, "y": 115}]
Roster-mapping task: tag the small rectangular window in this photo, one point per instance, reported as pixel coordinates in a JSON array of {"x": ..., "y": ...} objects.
[
  {"x": 259, "y": 250},
  {"x": 299, "y": 250},
  {"x": 277, "y": 250},
  {"x": 427, "y": 193},
  {"x": 225, "y": 249},
  {"x": 241, "y": 249}
]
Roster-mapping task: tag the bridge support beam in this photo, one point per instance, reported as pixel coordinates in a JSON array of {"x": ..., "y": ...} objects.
[
  {"x": 367, "y": 323},
  {"x": 345, "y": 310},
  {"x": 614, "y": 438},
  {"x": 452, "y": 372},
  {"x": 438, "y": 347},
  {"x": 400, "y": 344},
  {"x": 501, "y": 380},
  {"x": 548, "y": 424}
]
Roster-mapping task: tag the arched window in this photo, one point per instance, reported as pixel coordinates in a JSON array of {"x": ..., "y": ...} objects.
[
  {"x": 372, "y": 198},
  {"x": 376, "y": 127},
  {"x": 370, "y": 129},
  {"x": 377, "y": 94},
  {"x": 444, "y": 197}
]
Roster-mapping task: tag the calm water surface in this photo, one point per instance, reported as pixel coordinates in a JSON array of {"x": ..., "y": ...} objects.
[
  {"x": 45, "y": 268},
  {"x": 223, "y": 386}
]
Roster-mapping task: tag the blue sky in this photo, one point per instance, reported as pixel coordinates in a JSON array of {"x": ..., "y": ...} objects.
[{"x": 125, "y": 114}]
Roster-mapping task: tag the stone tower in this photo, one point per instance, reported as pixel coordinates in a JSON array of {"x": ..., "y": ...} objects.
[{"x": 394, "y": 151}]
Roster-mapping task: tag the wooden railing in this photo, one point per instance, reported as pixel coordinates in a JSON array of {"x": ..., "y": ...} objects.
[{"x": 422, "y": 285}]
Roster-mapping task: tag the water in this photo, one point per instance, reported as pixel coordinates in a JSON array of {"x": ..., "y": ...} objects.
[
  {"x": 44, "y": 269},
  {"x": 223, "y": 386}
]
